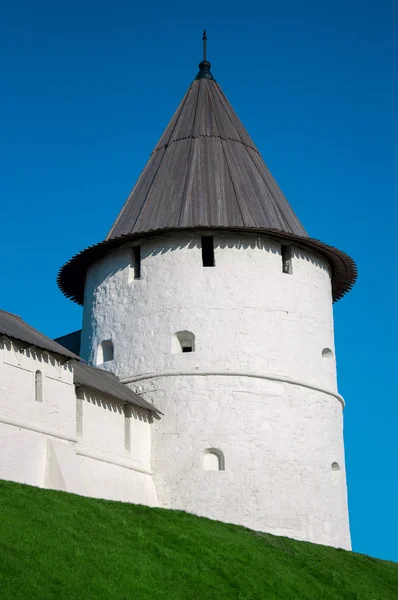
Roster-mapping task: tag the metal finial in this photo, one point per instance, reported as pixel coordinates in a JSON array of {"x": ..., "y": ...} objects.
[{"x": 204, "y": 66}]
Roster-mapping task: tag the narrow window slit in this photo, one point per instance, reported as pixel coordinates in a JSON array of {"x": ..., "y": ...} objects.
[
  {"x": 127, "y": 427},
  {"x": 79, "y": 417},
  {"x": 39, "y": 386},
  {"x": 136, "y": 262},
  {"x": 208, "y": 251},
  {"x": 286, "y": 253}
]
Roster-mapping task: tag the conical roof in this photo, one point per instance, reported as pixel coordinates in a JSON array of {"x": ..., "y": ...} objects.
[{"x": 205, "y": 172}]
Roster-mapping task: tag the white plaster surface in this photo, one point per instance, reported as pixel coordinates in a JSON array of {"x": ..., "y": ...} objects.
[
  {"x": 279, "y": 440},
  {"x": 114, "y": 482},
  {"x": 244, "y": 312},
  {"x": 62, "y": 468}
]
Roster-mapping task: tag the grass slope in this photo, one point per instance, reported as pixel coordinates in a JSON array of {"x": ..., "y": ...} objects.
[{"x": 57, "y": 545}]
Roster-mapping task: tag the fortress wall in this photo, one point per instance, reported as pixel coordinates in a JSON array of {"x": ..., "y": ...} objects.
[{"x": 90, "y": 444}]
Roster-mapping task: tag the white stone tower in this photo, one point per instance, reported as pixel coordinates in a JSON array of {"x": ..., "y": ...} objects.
[{"x": 209, "y": 299}]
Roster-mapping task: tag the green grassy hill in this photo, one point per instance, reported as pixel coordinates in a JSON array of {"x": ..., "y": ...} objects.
[{"x": 57, "y": 545}]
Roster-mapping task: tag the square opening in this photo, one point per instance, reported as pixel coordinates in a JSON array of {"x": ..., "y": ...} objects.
[{"x": 287, "y": 256}]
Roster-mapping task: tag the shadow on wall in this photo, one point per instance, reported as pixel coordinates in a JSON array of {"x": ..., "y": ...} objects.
[
  {"x": 222, "y": 240},
  {"x": 141, "y": 414},
  {"x": 41, "y": 356},
  {"x": 317, "y": 262},
  {"x": 105, "y": 403},
  {"x": 111, "y": 271},
  {"x": 242, "y": 243}
]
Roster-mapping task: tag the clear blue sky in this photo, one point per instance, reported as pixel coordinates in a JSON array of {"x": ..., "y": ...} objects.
[{"x": 87, "y": 89}]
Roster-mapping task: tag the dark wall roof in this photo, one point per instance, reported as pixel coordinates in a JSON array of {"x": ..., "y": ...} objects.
[
  {"x": 14, "y": 327},
  {"x": 107, "y": 383},
  {"x": 205, "y": 172},
  {"x": 71, "y": 341}
]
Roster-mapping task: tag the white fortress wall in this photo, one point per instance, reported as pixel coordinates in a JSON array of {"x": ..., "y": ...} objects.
[
  {"x": 114, "y": 448},
  {"x": 90, "y": 445},
  {"x": 252, "y": 327},
  {"x": 37, "y": 404}
]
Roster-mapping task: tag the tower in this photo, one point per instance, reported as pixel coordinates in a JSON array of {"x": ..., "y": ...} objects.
[{"x": 209, "y": 299}]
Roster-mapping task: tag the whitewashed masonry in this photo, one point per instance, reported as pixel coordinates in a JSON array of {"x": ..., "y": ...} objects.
[{"x": 258, "y": 384}]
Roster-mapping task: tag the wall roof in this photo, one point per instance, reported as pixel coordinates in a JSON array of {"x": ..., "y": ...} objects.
[
  {"x": 107, "y": 383},
  {"x": 14, "y": 327}
]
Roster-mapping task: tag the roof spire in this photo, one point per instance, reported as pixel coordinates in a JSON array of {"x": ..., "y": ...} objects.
[
  {"x": 204, "y": 38},
  {"x": 204, "y": 66}
]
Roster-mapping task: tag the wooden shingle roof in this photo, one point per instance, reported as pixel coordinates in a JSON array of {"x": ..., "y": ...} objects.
[{"x": 205, "y": 172}]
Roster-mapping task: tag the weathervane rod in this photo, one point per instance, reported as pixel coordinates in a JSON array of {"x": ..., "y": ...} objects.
[{"x": 204, "y": 38}]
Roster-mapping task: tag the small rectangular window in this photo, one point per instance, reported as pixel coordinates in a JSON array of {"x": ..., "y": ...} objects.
[
  {"x": 187, "y": 348},
  {"x": 208, "y": 251},
  {"x": 287, "y": 254},
  {"x": 136, "y": 261}
]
